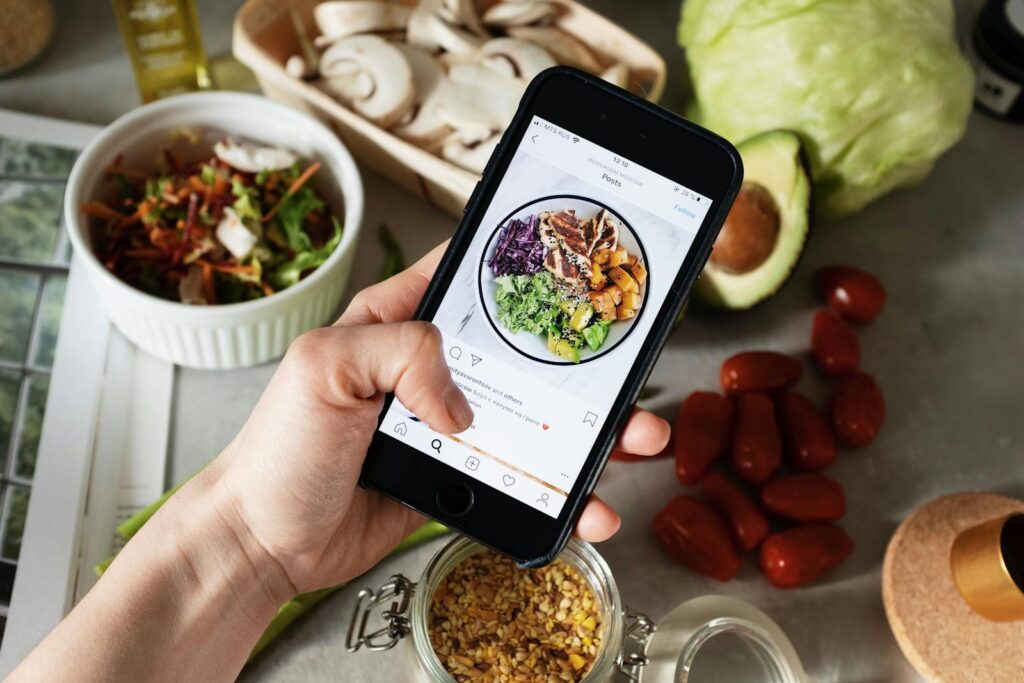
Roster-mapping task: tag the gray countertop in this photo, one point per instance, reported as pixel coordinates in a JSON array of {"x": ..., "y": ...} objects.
[{"x": 946, "y": 352}]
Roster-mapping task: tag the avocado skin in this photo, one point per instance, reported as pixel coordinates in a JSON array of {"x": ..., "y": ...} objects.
[{"x": 777, "y": 161}]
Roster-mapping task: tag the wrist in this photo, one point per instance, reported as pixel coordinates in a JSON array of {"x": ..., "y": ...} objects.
[
  {"x": 221, "y": 552},
  {"x": 192, "y": 580}
]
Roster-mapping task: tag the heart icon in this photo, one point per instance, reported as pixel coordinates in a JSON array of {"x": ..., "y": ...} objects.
[
  {"x": 508, "y": 480},
  {"x": 544, "y": 426}
]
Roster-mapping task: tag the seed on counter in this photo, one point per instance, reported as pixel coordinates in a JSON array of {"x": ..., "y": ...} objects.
[{"x": 492, "y": 621}]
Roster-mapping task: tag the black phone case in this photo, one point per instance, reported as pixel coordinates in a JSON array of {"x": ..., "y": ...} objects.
[{"x": 472, "y": 215}]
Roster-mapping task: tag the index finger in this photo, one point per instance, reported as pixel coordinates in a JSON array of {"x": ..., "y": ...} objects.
[{"x": 395, "y": 299}]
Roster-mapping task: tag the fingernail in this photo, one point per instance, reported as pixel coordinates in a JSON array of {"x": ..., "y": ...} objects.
[{"x": 458, "y": 407}]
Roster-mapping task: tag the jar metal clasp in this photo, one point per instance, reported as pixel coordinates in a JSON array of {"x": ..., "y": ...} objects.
[
  {"x": 398, "y": 591},
  {"x": 637, "y": 635}
]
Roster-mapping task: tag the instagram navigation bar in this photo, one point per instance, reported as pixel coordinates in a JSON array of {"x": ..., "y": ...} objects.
[{"x": 456, "y": 453}]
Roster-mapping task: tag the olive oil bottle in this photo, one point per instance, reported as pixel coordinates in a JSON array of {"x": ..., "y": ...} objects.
[{"x": 165, "y": 46}]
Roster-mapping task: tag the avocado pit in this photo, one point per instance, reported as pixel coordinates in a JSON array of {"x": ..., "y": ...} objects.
[{"x": 750, "y": 232}]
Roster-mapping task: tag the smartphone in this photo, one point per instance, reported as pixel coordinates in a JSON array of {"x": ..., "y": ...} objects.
[{"x": 575, "y": 254}]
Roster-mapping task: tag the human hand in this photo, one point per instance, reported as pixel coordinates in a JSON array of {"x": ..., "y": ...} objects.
[{"x": 289, "y": 479}]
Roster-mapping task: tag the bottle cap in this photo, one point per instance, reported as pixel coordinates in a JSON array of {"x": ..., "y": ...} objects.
[{"x": 988, "y": 567}]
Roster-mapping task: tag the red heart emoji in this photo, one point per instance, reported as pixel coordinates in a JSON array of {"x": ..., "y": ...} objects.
[{"x": 543, "y": 425}]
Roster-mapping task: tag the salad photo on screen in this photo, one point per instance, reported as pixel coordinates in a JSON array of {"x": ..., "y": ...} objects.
[{"x": 564, "y": 280}]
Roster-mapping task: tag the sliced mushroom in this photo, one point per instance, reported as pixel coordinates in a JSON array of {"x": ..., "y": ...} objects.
[
  {"x": 423, "y": 124},
  {"x": 429, "y": 29},
  {"x": 252, "y": 158},
  {"x": 371, "y": 75},
  {"x": 472, "y": 155},
  {"x": 463, "y": 13},
  {"x": 454, "y": 39},
  {"x": 339, "y": 18},
  {"x": 519, "y": 13},
  {"x": 516, "y": 58},
  {"x": 563, "y": 46},
  {"x": 234, "y": 236},
  {"x": 617, "y": 74},
  {"x": 475, "y": 97}
]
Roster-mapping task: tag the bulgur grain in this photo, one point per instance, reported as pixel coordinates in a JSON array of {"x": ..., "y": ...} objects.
[{"x": 493, "y": 622}]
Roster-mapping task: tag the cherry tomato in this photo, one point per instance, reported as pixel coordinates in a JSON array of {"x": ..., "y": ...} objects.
[
  {"x": 756, "y": 446},
  {"x": 859, "y": 296},
  {"x": 701, "y": 434},
  {"x": 805, "y": 498},
  {"x": 803, "y": 554},
  {"x": 765, "y": 371},
  {"x": 858, "y": 409},
  {"x": 748, "y": 524},
  {"x": 697, "y": 537},
  {"x": 808, "y": 441},
  {"x": 622, "y": 456},
  {"x": 834, "y": 343}
]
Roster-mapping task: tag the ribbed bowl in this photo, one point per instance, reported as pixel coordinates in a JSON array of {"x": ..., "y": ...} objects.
[{"x": 231, "y": 335}]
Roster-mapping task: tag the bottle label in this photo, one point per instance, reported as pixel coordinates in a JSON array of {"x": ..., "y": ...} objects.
[
  {"x": 162, "y": 38},
  {"x": 993, "y": 90}
]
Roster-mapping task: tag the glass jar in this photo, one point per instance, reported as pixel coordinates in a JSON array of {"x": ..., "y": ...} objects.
[{"x": 704, "y": 640}]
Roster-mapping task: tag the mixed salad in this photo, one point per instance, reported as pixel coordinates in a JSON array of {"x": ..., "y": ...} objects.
[
  {"x": 237, "y": 226},
  {"x": 566, "y": 278}
]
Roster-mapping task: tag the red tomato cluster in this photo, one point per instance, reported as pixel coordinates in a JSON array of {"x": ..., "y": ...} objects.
[{"x": 764, "y": 428}]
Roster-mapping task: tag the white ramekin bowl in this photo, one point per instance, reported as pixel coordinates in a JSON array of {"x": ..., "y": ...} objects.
[{"x": 229, "y": 335}]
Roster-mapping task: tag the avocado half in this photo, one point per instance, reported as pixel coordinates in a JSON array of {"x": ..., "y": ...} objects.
[{"x": 762, "y": 238}]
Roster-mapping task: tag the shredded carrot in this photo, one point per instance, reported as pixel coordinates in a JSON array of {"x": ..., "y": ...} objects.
[
  {"x": 208, "y": 289},
  {"x": 132, "y": 218},
  {"x": 306, "y": 175},
  {"x": 100, "y": 210},
  {"x": 293, "y": 188},
  {"x": 221, "y": 185},
  {"x": 267, "y": 289}
]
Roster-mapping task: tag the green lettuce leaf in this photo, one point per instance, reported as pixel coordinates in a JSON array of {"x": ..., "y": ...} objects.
[
  {"x": 527, "y": 302},
  {"x": 878, "y": 89},
  {"x": 288, "y": 273},
  {"x": 292, "y": 215},
  {"x": 247, "y": 201}
]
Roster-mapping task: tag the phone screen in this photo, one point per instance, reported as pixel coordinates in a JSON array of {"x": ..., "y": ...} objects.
[{"x": 546, "y": 314}]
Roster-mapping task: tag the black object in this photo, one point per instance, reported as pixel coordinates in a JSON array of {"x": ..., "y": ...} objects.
[
  {"x": 649, "y": 136},
  {"x": 998, "y": 47},
  {"x": 455, "y": 498}
]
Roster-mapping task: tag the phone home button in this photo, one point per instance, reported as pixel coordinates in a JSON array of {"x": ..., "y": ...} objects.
[{"x": 454, "y": 498}]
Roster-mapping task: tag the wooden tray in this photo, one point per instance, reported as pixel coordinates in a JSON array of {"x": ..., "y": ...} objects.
[{"x": 264, "y": 37}]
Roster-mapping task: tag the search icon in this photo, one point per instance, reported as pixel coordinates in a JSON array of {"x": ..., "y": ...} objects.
[{"x": 436, "y": 445}]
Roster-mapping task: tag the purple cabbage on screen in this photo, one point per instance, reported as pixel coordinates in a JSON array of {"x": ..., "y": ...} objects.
[{"x": 519, "y": 250}]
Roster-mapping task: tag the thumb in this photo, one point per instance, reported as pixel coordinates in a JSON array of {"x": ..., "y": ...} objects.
[{"x": 405, "y": 358}]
